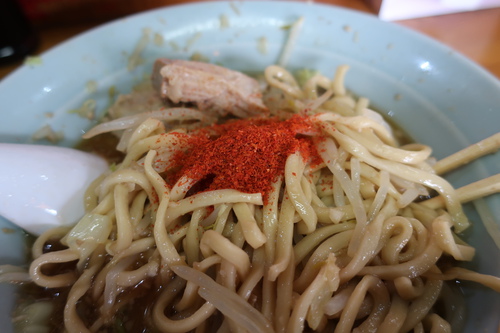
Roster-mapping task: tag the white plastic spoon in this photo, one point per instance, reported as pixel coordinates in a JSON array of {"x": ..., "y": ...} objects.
[{"x": 43, "y": 186}]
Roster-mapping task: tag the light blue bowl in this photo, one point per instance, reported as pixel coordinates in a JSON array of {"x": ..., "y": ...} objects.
[{"x": 435, "y": 94}]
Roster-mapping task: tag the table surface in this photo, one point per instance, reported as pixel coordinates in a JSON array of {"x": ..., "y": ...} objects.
[{"x": 475, "y": 34}]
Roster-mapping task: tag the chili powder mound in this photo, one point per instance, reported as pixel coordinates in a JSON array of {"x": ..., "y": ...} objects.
[{"x": 246, "y": 155}]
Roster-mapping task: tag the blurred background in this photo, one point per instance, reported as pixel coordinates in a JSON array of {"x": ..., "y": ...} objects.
[{"x": 29, "y": 27}]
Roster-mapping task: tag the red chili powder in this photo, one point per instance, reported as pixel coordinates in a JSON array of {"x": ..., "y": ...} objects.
[{"x": 246, "y": 155}]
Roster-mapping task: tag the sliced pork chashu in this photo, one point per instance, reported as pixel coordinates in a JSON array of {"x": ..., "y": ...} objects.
[{"x": 213, "y": 89}]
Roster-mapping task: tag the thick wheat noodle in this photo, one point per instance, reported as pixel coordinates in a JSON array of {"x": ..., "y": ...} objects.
[
  {"x": 216, "y": 197},
  {"x": 310, "y": 87},
  {"x": 409, "y": 173},
  {"x": 465, "y": 274},
  {"x": 411, "y": 269},
  {"x": 14, "y": 274},
  {"x": 316, "y": 103},
  {"x": 127, "y": 279},
  {"x": 486, "y": 146},
  {"x": 191, "y": 242},
  {"x": 105, "y": 205},
  {"x": 327, "y": 280},
  {"x": 437, "y": 323},
  {"x": 380, "y": 197},
  {"x": 37, "y": 247},
  {"x": 329, "y": 155},
  {"x": 148, "y": 128},
  {"x": 180, "y": 325},
  {"x": 378, "y": 148},
  {"x": 368, "y": 284},
  {"x": 253, "y": 278},
  {"x": 124, "y": 228},
  {"x": 332, "y": 245},
  {"x": 137, "y": 208},
  {"x": 396, "y": 235},
  {"x": 341, "y": 243},
  {"x": 361, "y": 105},
  {"x": 294, "y": 169},
  {"x": 338, "y": 80},
  {"x": 72, "y": 320},
  {"x": 126, "y": 176},
  {"x": 111, "y": 289},
  {"x": 271, "y": 223},
  {"x": 253, "y": 235},
  {"x": 396, "y": 315},
  {"x": 368, "y": 243},
  {"x": 91, "y": 197},
  {"x": 360, "y": 123},
  {"x": 307, "y": 244},
  {"x": 213, "y": 242},
  {"x": 55, "y": 281},
  {"x": 268, "y": 287},
  {"x": 284, "y": 240},
  {"x": 144, "y": 145},
  {"x": 444, "y": 238},
  {"x": 163, "y": 242},
  {"x": 99, "y": 282},
  {"x": 469, "y": 192},
  {"x": 286, "y": 81},
  {"x": 420, "y": 306},
  {"x": 339, "y": 214},
  {"x": 189, "y": 295},
  {"x": 409, "y": 289}
]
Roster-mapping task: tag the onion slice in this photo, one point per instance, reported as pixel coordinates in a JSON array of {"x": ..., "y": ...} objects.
[{"x": 226, "y": 301}]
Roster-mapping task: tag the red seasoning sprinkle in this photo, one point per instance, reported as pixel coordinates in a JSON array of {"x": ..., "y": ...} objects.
[{"x": 246, "y": 155}]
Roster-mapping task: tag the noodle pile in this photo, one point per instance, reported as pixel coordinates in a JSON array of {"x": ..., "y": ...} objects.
[{"x": 350, "y": 243}]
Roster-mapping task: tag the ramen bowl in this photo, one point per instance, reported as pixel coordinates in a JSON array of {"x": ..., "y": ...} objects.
[{"x": 437, "y": 96}]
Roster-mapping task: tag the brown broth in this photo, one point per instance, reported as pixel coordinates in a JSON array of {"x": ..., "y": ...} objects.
[{"x": 103, "y": 145}]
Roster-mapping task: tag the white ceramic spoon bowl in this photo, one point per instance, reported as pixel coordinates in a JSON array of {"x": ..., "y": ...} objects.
[{"x": 44, "y": 186}]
